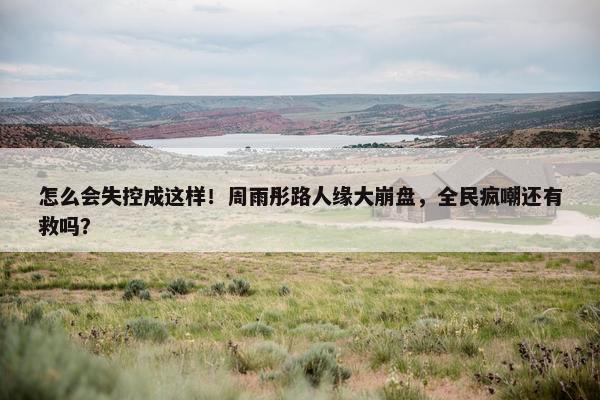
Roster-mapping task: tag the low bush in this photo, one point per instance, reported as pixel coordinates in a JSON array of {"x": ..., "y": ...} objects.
[
  {"x": 43, "y": 364},
  {"x": 147, "y": 329},
  {"x": 144, "y": 294},
  {"x": 34, "y": 315},
  {"x": 396, "y": 388},
  {"x": 179, "y": 286},
  {"x": 136, "y": 288},
  {"x": 283, "y": 290},
  {"x": 59, "y": 316},
  {"x": 554, "y": 264},
  {"x": 318, "y": 365},
  {"x": 322, "y": 331},
  {"x": 239, "y": 287},
  {"x": 590, "y": 312},
  {"x": 259, "y": 357},
  {"x": 547, "y": 373},
  {"x": 587, "y": 265},
  {"x": 256, "y": 329},
  {"x": 217, "y": 289}
]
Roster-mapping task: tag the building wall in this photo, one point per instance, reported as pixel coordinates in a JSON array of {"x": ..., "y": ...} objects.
[{"x": 418, "y": 214}]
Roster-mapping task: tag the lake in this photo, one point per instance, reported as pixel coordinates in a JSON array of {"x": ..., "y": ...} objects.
[{"x": 220, "y": 145}]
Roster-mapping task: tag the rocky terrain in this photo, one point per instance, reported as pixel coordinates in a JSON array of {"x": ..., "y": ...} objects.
[
  {"x": 229, "y": 120},
  {"x": 519, "y": 138},
  {"x": 61, "y": 136},
  {"x": 542, "y": 138},
  {"x": 147, "y": 117}
]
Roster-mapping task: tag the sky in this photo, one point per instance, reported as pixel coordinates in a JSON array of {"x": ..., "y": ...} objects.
[{"x": 281, "y": 47}]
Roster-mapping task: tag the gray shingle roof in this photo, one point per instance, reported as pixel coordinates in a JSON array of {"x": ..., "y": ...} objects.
[{"x": 472, "y": 168}]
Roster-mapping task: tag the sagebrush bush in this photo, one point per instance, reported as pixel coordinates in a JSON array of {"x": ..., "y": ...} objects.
[
  {"x": 217, "y": 288},
  {"x": 318, "y": 365},
  {"x": 323, "y": 331},
  {"x": 135, "y": 288},
  {"x": 147, "y": 329},
  {"x": 259, "y": 357},
  {"x": 586, "y": 265},
  {"x": 34, "y": 315},
  {"x": 385, "y": 346},
  {"x": 37, "y": 363},
  {"x": 396, "y": 388},
  {"x": 548, "y": 373},
  {"x": 239, "y": 287},
  {"x": 283, "y": 290},
  {"x": 256, "y": 329},
  {"x": 144, "y": 294},
  {"x": 179, "y": 286},
  {"x": 590, "y": 312},
  {"x": 59, "y": 316},
  {"x": 266, "y": 355},
  {"x": 44, "y": 364}
]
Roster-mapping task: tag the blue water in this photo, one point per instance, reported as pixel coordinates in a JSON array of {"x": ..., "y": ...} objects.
[{"x": 219, "y": 145}]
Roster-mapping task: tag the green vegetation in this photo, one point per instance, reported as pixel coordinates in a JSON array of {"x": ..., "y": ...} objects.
[
  {"x": 373, "y": 325},
  {"x": 239, "y": 287},
  {"x": 179, "y": 286},
  {"x": 587, "y": 265},
  {"x": 136, "y": 288},
  {"x": 147, "y": 329}
]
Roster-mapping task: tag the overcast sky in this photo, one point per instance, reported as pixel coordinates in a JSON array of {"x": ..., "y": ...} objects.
[{"x": 243, "y": 47}]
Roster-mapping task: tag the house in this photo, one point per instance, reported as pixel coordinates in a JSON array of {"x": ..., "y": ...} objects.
[{"x": 472, "y": 170}]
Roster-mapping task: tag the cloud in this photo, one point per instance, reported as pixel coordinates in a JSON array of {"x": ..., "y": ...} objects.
[
  {"x": 35, "y": 71},
  {"x": 217, "y": 8},
  {"x": 418, "y": 71},
  {"x": 287, "y": 47}
]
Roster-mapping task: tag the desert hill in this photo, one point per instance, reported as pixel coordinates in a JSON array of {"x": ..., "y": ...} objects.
[
  {"x": 540, "y": 138},
  {"x": 40, "y": 135}
]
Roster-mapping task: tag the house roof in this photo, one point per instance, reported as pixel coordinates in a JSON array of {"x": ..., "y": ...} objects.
[
  {"x": 424, "y": 186},
  {"x": 471, "y": 169}
]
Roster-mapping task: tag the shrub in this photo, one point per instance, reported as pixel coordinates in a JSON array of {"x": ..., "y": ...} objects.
[
  {"x": 547, "y": 373},
  {"x": 179, "y": 286},
  {"x": 261, "y": 356},
  {"x": 266, "y": 355},
  {"x": 398, "y": 389},
  {"x": 257, "y": 328},
  {"x": 239, "y": 360},
  {"x": 553, "y": 264},
  {"x": 318, "y": 365},
  {"x": 59, "y": 316},
  {"x": 217, "y": 288},
  {"x": 323, "y": 331},
  {"x": 239, "y": 287},
  {"x": 43, "y": 364},
  {"x": 147, "y": 329},
  {"x": 144, "y": 294},
  {"x": 385, "y": 346},
  {"x": 590, "y": 312},
  {"x": 6, "y": 272},
  {"x": 587, "y": 265},
  {"x": 283, "y": 290},
  {"x": 133, "y": 288},
  {"x": 40, "y": 363},
  {"x": 37, "y": 277},
  {"x": 35, "y": 315}
]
